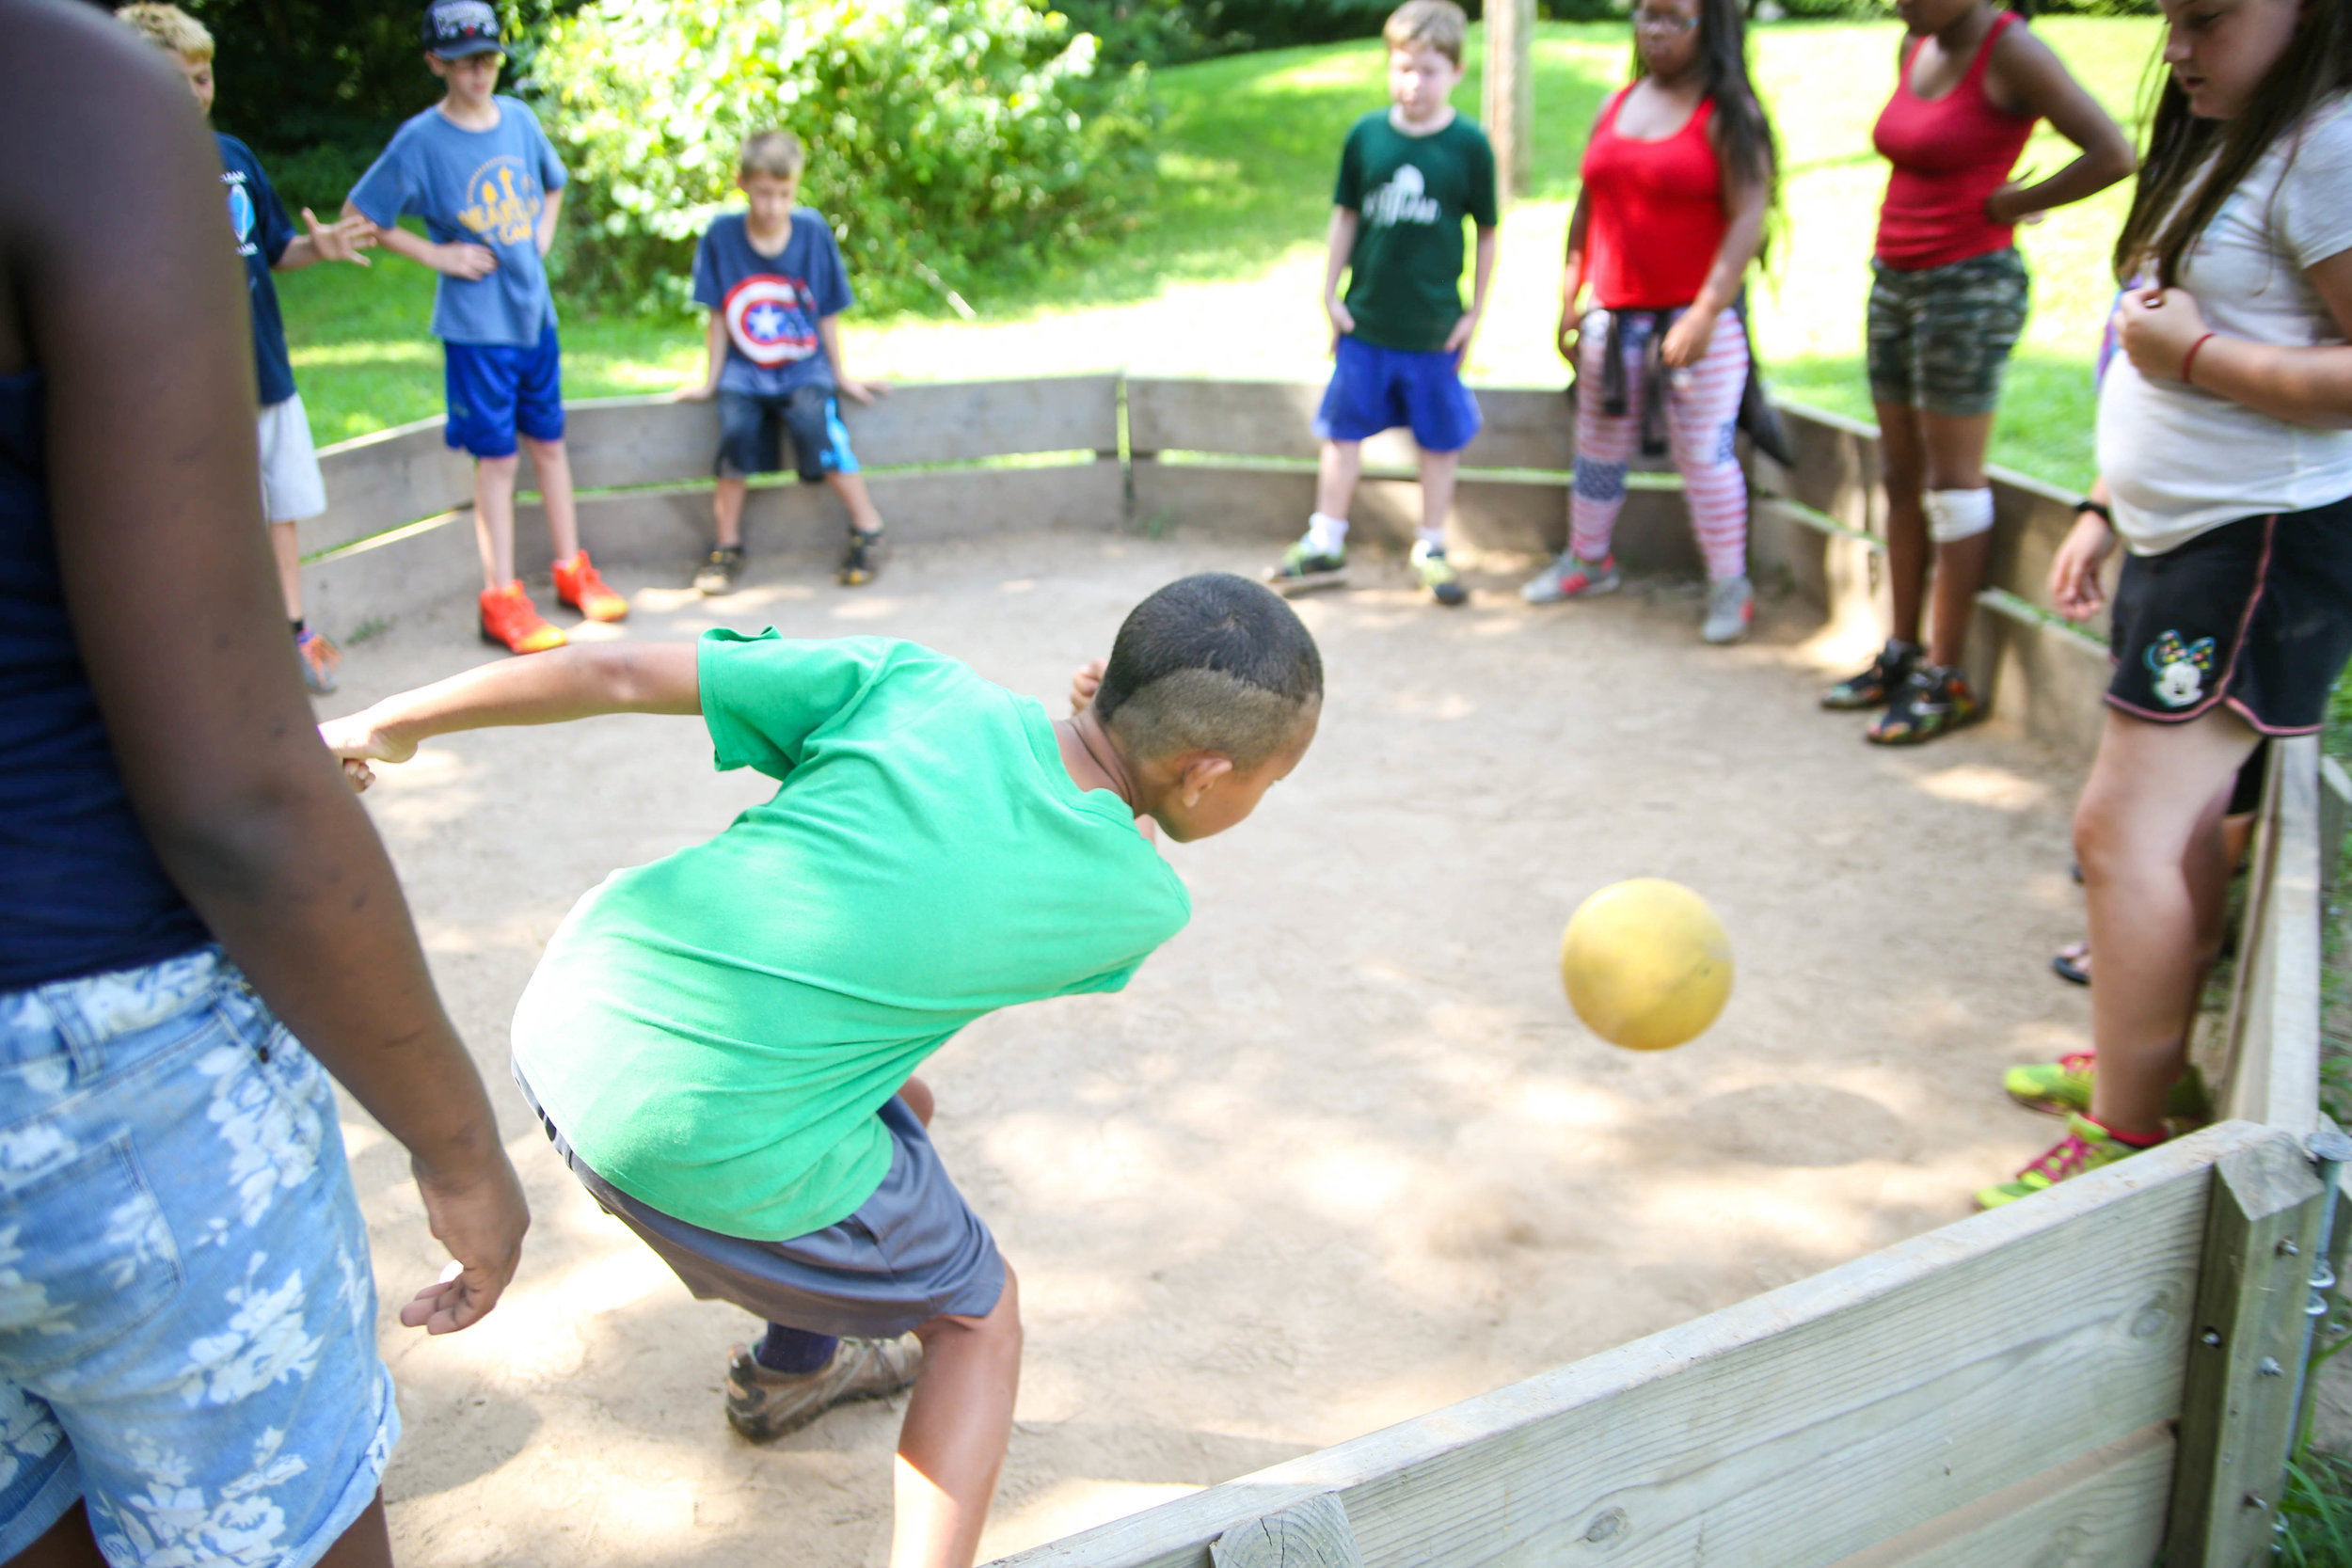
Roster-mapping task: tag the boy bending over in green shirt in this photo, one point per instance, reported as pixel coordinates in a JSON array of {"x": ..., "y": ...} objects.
[{"x": 722, "y": 1044}]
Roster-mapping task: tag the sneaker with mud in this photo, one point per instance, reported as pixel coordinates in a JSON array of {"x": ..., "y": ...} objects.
[
  {"x": 511, "y": 621},
  {"x": 1303, "y": 568},
  {"x": 2062, "y": 1088},
  {"x": 1438, "y": 574},
  {"x": 1730, "y": 609},
  {"x": 763, "y": 1405},
  {"x": 717, "y": 574},
  {"x": 1934, "y": 701},
  {"x": 1875, "y": 686},
  {"x": 1571, "y": 578},
  {"x": 862, "y": 561},
  {"x": 2086, "y": 1147},
  {"x": 319, "y": 658},
  {"x": 577, "y": 584}
]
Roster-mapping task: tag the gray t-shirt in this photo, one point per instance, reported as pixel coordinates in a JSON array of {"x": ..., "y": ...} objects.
[
  {"x": 2182, "y": 462},
  {"x": 485, "y": 187}
]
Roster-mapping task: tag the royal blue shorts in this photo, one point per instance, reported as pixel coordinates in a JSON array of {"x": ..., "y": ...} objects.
[
  {"x": 496, "y": 389},
  {"x": 1375, "y": 389}
]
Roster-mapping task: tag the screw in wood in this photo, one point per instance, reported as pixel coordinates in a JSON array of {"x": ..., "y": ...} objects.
[
  {"x": 2268, "y": 1367},
  {"x": 2212, "y": 1337}
]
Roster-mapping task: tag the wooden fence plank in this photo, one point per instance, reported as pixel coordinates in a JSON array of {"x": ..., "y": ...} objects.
[
  {"x": 2335, "y": 815},
  {"x": 2271, "y": 1049},
  {"x": 2104, "y": 1510},
  {"x": 386, "y": 481},
  {"x": 1312, "y": 1534},
  {"x": 1524, "y": 427},
  {"x": 1797, "y": 1427},
  {"x": 2261, "y": 1234}
]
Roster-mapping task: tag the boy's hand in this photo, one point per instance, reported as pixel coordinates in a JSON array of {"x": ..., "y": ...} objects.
[
  {"x": 1457, "y": 342},
  {"x": 340, "y": 241},
  {"x": 357, "y": 743},
  {"x": 463, "y": 258},
  {"x": 1343, "y": 321},
  {"x": 1687, "y": 338},
  {"x": 864, "y": 392},
  {"x": 1084, "y": 685},
  {"x": 695, "y": 391},
  {"x": 481, "y": 1217}
]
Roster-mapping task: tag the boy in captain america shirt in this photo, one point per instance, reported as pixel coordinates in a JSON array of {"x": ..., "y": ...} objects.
[{"x": 773, "y": 280}]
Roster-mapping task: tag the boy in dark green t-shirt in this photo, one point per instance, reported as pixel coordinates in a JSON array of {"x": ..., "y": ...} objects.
[
  {"x": 722, "y": 1044},
  {"x": 1408, "y": 175}
]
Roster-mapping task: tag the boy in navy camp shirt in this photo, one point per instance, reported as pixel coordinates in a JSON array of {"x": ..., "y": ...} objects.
[
  {"x": 772, "y": 281},
  {"x": 292, "y": 485},
  {"x": 480, "y": 172}
]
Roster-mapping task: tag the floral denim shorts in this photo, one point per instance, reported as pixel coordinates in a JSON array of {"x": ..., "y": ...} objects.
[{"x": 187, "y": 1318}]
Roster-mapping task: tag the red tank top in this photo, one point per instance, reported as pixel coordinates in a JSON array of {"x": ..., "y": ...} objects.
[
  {"x": 1949, "y": 154},
  {"x": 1654, "y": 212}
]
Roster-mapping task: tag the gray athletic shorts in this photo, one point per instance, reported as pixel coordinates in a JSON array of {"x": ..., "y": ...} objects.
[{"x": 913, "y": 1252}]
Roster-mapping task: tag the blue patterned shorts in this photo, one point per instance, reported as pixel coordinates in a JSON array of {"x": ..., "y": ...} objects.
[{"x": 187, "y": 1318}]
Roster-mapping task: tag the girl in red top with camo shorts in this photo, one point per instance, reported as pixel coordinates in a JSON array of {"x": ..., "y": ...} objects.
[
  {"x": 1677, "y": 180},
  {"x": 1946, "y": 305}
]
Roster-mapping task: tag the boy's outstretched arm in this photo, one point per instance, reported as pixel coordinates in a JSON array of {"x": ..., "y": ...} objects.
[
  {"x": 546, "y": 689},
  {"x": 139, "y": 325}
]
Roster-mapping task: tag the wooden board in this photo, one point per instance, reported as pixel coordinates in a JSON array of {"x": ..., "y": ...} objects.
[
  {"x": 387, "y": 481},
  {"x": 1840, "y": 573},
  {"x": 2043, "y": 682},
  {"x": 1524, "y": 428},
  {"x": 1800, "y": 1428},
  {"x": 2273, "y": 1055}
]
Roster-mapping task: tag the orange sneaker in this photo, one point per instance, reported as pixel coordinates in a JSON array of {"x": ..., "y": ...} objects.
[
  {"x": 578, "y": 585},
  {"x": 511, "y": 620}
]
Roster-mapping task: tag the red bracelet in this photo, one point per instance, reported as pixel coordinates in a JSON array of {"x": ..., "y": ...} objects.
[{"x": 2190, "y": 359}]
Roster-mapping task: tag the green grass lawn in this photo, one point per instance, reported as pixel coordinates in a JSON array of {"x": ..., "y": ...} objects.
[{"x": 1222, "y": 277}]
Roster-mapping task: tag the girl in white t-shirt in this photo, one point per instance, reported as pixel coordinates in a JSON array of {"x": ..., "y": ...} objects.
[{"x": 2225, "y": 449}]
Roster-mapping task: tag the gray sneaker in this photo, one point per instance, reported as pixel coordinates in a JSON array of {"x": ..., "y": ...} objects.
[
  {"x": 1730, "y": 606},
  {"x": 1568, "y": 578},
  {"x": 764, "y": 1405}
]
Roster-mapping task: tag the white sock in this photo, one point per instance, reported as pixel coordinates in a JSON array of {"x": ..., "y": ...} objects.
[
  {"x": 1431, "y": 539},
  {"x": 1326, "y": 535}
]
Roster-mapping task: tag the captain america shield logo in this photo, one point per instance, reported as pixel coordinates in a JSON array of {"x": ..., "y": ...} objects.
[{"x": 773, "y": 319}]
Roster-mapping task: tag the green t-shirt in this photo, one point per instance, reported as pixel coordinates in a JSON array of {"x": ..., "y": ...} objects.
[
  {"x": 1411, "y": 195},
  {"x": 714, "y": 1032}
]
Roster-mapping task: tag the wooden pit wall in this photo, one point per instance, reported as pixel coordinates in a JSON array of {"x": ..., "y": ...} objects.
[{"x": 1229, "y": 457}]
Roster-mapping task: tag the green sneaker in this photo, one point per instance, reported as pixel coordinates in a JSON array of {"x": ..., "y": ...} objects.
[
  {"x": 2086, "y": 1146},
  {"x": 1303, "y": 568},
  {"x": 1438, "y": 574},
  {"x": 2062, "y": 1088}
]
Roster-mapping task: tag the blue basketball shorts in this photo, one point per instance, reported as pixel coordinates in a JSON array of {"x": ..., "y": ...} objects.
[
  {"x": 496, "y": 389},
  {"x": 1375, "y": 389},
  {"x": 811, "y": 414},
  {"x": 187, "y": 1318}
]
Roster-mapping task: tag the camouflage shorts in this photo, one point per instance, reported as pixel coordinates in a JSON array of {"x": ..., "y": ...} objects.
[{"x": 1941, "y": 337}]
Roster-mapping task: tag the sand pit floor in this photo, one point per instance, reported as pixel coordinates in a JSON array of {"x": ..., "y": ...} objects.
[{"x": 1340, "y": 1154}]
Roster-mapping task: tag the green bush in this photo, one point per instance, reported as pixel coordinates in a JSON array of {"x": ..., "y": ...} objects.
[{"x": 951, "y": 141}]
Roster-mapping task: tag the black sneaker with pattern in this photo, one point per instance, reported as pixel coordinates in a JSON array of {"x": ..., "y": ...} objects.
[
  {"x": 718, "y": 574},
  {"x": 862, "y": 562},
  {"x": 1875, "y": 686},
  {"x": 1932, "y": 701}
]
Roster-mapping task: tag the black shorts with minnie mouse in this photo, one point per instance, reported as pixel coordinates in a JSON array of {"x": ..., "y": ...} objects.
[{"x": 2255, "y": 613}]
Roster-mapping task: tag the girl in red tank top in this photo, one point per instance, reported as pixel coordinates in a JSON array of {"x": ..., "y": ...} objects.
[
  {"x": 1677, "y": 180},
  {"x": 1948, "y": 301}
]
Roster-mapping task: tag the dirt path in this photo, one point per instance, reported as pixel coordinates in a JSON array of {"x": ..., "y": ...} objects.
[{"x": 1340, "y": 1154}]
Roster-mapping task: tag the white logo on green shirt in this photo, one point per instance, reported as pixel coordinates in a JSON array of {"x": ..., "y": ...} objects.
[{"x": 1402, "y": 200}]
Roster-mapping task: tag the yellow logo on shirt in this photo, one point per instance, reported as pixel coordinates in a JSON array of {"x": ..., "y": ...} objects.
[{"x": 506, "y": 201}]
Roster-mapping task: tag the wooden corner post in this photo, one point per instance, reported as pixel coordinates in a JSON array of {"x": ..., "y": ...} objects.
[
  {"x": 1509, "y": 110},
  {"x": 2245, "y": 1341}
]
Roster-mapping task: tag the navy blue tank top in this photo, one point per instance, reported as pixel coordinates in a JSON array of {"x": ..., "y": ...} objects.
[{"x": 80, "y": 890}]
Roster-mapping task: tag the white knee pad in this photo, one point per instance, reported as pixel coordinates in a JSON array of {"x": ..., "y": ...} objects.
[{"x": 1957, "y": 515}]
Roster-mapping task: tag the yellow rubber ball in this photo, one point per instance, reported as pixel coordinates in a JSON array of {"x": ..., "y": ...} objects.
[{"x": 1647, "y": 964}]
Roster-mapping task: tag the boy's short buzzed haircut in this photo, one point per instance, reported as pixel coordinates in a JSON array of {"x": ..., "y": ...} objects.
[
  {"x": 1211, "y": 663},
  {"x": 1439, "y": 24},
  {"x": 777, "y": 155},
  {"x": 169, "y": 27}
]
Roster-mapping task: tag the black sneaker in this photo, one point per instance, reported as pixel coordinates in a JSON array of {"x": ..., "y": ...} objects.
[
  {"x": 1875, "y": 686},
  {"x": 1932, "y": 701},
  {"x": 862, "y": 562},
  {"x": 1438, "y": 574},
  {"x": 719, "y": 572},
  {"x": 1302, "y": 569}
]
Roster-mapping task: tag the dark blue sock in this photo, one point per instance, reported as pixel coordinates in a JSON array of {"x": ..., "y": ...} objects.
[{"x": 793, "y": 1350}]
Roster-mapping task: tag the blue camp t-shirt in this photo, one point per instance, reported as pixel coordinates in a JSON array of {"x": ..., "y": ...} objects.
[
  {"x": 771, "y": 303},
  {"x": 483, "y": 187},
  {"x": 263, "y": 231}
]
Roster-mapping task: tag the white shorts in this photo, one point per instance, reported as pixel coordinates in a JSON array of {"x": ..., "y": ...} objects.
[{"x": 292, "y": 485}]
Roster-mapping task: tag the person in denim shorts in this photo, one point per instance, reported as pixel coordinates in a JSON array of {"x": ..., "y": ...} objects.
[
  {"x": 1948, "y": 301},
  {"x": 188, "y": 1370}
]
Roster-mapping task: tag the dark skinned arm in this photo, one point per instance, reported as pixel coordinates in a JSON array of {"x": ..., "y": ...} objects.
[
  {"x": 138, "y": 325},
  {"x": 2028, "y": 77}
]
